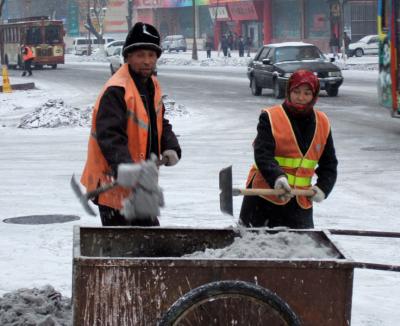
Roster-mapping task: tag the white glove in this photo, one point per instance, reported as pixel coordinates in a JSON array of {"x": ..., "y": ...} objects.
[
  {"x": 318, "y": 194},
  {"x": 172, "y": 157},
  {"x": 282, "y": 183},
  {"x": 128, "y": 174}
]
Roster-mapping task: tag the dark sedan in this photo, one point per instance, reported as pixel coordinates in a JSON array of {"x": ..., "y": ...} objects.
[{"x": 274, "y": 63}]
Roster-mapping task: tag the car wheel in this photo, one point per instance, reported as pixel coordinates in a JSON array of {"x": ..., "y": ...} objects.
[
  {"x": 54, "y": 66},
  {"x": 112, "y": 69},
  {"x": 255, "y": 90},
  {"x": 278, "y": 91},
  {"x": 332, "y": 91},
  {"x": 359, "y": 52}
]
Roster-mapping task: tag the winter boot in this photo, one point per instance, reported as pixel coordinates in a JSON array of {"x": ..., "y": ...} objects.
[{"x": 23, "y": 74}]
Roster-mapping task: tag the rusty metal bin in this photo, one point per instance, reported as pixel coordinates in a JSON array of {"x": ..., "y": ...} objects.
[{"x": 131, "y": 276}]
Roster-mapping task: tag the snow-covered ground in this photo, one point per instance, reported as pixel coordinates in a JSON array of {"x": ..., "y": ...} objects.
[{"x": 43, "y": 141}]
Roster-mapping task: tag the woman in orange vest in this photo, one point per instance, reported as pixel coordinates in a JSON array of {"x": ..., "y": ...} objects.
[
  {"x": 27, "y": 57},
  {"x": 128, "y": 125},
  {"x": 294, "y": 142}
]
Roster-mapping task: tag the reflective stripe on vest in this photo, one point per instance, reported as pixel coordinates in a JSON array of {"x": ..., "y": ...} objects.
[
  {"x": 142, "y": 124},
  {"x": 298, "y": 168},
  {"x": 97, "y": 171}
]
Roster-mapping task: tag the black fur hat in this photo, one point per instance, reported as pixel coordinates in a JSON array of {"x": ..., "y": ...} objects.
[{"x": 142, "y": 36}]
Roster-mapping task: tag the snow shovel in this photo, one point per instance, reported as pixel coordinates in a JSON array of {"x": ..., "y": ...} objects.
[
  {"x": 227, "y": 191},
  {"x": 85, "y": 197}
]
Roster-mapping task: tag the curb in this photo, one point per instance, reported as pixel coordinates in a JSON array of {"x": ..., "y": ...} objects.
[{"x": 20, "y": 87}]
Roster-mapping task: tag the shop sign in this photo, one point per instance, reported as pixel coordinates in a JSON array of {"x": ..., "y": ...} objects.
[
  {"x": 219, "y": 13},
  {"x": 242, "y": 10},
  {"x": 148, "y": 4}
]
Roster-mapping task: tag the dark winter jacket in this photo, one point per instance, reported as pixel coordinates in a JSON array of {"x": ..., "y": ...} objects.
[
  {"x": 304, "y": 128},
  {"x": 112, "y": 121}
]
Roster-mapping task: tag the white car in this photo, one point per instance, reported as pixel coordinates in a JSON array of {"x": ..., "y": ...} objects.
[
  {"x": 367, "y": 45},
  {"x": 110, "y": 47},
  {"x": 116, "y": 59}
]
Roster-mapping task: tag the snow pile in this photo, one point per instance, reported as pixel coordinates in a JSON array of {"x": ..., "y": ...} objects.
[
  {"x": 35, "y": 307},
  {"x": 54, "y": 113},
  {"x": 361, "y": 66},
  {"x": 216, "y": 61},
  {"x": 282, "y": 245},
  {"x": 96, "y": 56},
  {"x": 172, "y": 109}
]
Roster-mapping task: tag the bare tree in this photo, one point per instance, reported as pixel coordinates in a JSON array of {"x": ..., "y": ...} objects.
[{"x": 95, "y": 14}]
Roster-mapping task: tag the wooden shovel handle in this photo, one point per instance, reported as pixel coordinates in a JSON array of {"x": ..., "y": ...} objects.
[{"x": 269, "y": 192}]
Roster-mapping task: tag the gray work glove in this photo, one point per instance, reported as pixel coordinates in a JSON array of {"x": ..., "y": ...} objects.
[
  {"x": 282, "y": 183},
  {"x": 318, "y": 196},
  {"x": 143, "y": 204},
  {"x": 128, "y": 174},
  {"x": 172, "y": 157},
  {"x": 147, "y": 197}
]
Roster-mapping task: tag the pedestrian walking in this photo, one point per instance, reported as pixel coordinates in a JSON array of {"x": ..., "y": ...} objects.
[
  {"x": 224, "y": 45},
  {"x": 293, "y": 142},
  {"x": 241, "y": 46},
  {"x": 334, "y": 45},
  {"x": 28, "y": 57},
  {"x": 347, "y": 41},
  {"x": 128, "y": 125},
  {"x": 248, "y": 44},
  {"x": 208, "y": 47}
]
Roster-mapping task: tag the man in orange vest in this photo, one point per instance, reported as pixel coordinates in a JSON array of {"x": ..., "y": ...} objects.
[
  {"x": 27, "y": 57},
  {"x": 128, "y": 125},
  {"x": 293, "y": 142}
]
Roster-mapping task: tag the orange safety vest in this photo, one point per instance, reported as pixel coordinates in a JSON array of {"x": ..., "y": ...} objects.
[
  {"x": 298, "y": 168},
  {"x": 97, "y": 171},
  {"x": 29, "y": 54}
]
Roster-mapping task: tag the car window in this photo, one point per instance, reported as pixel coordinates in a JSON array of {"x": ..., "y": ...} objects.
[
  {"x": 373, "y": 40},
  {"x": 117, "y": 51},
  {"x": 364, "y": 39},
  {"x": 297, "y": 53},
  {"x": 263, "y": 54},
  {"x": 270, "y": 55}
]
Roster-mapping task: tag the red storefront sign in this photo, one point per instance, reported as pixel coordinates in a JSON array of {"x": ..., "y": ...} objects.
[{"x": 242, "y": 10}]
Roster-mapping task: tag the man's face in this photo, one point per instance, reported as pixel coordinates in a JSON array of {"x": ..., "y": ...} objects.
[{"x": 142, "y": 62}]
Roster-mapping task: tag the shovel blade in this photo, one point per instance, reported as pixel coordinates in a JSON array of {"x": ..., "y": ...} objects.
[
  {"x": 225, "y": 185},
  {"x": 81, "y": 196}
]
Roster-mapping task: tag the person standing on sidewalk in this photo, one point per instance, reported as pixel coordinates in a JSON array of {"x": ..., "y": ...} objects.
[
  {"x": 128, "y": 125},
  {"x": 27, "y": 57},
  {"x": 294, "y": 142}
]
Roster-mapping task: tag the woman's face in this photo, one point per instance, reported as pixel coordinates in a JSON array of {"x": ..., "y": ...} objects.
[{"x": 301, "y": 95}]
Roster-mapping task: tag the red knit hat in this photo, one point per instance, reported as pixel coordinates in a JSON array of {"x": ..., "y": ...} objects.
[{"x": 298, "y": 78}]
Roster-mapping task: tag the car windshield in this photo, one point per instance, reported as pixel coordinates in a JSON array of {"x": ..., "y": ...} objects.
[{"x": 297, "y": 53}]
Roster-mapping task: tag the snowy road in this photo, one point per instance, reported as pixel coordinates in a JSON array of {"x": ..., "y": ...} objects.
[{"x": 36, "y": 165}]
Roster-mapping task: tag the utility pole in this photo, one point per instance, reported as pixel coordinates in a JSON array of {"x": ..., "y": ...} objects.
[
  {"x": 194, "y": 49},
  {"x": 89, "y": 22},
  {"x": 2, "y": 4},
  {"x": 130, "y": 14}
]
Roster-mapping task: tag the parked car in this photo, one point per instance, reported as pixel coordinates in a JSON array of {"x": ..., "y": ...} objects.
[
  {"x": 110, "y": 47},
  {"x": 274, "y": 64},
  {"x": 367, "y": 45},
  {"x": 81, "y": 44},
  {"x": 116, "y": 59},
  {"x": 174, "y": 43}
]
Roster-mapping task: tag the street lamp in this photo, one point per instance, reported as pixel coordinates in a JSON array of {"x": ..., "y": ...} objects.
[{"x": 194, "y": 49}]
